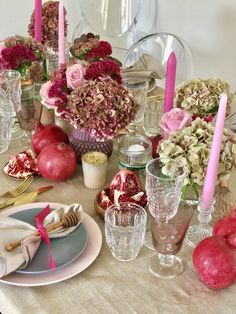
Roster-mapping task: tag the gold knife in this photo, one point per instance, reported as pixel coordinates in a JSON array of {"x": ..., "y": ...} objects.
[{"x": 25, "y": 198}]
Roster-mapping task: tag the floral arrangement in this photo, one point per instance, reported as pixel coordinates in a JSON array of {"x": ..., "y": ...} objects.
[
  {"x": 201, "y": 97},
  {"x": 24, "y": 55},
  {"x": 90, "y": 48},
  {"x": 49, "y": 22},
  {"x": 100, "y": 106},
  {"x": 189, "y": 148}
]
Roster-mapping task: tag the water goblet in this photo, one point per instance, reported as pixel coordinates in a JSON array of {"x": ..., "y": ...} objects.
[
  {"x": 167, "y": 237},
  {"x": 139, "y": 90},
  {"x": 163, "y": 194}
]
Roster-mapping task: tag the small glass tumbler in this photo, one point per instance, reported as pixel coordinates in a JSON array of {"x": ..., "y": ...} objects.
[
  {"x": 52, "y": 55},
  {"x": 6, "y": 121},
  {"x": 152, "y": 116},
  {"x": 125, "y": 226},
  {"x": 139, "y": 91},
  {"x": 94, "y": 166}
]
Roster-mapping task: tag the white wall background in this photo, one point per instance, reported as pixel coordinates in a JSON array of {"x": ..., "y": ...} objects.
[{"x": 208, "y": 26}]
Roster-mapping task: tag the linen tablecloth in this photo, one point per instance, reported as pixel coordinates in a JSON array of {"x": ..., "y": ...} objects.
[{"x": 109, "y": 286}]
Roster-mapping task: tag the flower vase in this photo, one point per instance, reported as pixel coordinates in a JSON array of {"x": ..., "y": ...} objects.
[
  {"x": 64, "y": 124},
  {"x": 82, "y": 143},
  {"x": 47, "y": 116},
  {"x": 191, "y": 194}
]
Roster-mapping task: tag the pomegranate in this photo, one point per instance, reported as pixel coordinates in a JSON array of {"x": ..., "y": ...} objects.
[
  {"x": 226, "y": 226},
  {"x": 215, "y": 262},
  {"x": 104, "y": 200},
  {"x": 57, "y": 161},
  {"x": 139, "y": 198},
  {"x": 47, "y": 134},
  {"x": 125, "y": 181}
]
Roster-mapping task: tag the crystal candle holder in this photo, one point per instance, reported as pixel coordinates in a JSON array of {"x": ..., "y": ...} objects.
[{"x": 202, "y": 230}]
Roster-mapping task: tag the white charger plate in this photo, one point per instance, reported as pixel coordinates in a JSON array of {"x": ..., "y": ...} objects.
[{"x": 81, "y": 263}]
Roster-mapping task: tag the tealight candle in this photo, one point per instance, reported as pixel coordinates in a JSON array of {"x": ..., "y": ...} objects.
[{"x": 94, "y": 166}]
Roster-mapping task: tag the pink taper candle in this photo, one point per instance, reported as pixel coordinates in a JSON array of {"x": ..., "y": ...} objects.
[
  {"x": 38, "y": 20},
  {"x": 61, "y": 35},
  {"x": 211, "y": 173},
  {"x": 170, "y": 82}
]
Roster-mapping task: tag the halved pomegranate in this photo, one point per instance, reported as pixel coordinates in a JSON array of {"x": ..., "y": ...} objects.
[{"x": 125, "y": 181}]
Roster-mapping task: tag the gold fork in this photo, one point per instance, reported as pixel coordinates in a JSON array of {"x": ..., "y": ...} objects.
[{"x": 20, "y": 189}]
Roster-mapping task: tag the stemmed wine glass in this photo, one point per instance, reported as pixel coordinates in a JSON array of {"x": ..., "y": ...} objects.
[
  {"x": 167, "y": 239},
  {"x": 164, "y": 193}
]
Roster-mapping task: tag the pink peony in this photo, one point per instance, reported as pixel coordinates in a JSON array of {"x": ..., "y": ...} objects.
[
  {"x": 175, "y": 120},
  {"x": 75, "y": 76},
  {"x": 49, "y": 102}
]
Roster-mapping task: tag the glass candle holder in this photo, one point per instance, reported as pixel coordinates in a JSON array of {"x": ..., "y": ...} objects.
[
  {"x": 202, "y": 230},
  {"x": 52, "y": 55},
  {"x": 152, "y": 116},
  {"x": 134, "y": 153},
  {"x": 94, "y": 166}
]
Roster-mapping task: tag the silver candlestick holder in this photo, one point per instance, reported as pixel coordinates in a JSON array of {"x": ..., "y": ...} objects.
[{"x": 202, "y": 230}]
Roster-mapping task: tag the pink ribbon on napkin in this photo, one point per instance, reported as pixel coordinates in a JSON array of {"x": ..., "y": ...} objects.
[{"x": 39, "y": 218}]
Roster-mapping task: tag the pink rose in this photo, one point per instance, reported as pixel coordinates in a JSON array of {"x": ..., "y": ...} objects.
[
  {"x": 75, "y": 76},
  {"x": 49, "y": 102},
  {"x": 174, "y": 120}
]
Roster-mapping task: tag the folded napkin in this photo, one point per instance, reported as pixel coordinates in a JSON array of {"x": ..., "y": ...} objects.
[
  {"x": 12, "y": 230},
  {"x": 146, "y": 68}
]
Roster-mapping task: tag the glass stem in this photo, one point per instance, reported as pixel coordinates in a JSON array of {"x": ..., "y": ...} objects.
[{"x": 165, "y": 260}]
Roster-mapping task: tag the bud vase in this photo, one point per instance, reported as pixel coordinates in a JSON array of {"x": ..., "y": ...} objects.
[
  {"x": 47, "y": 116},
  {"x": 82, "y": 143}
]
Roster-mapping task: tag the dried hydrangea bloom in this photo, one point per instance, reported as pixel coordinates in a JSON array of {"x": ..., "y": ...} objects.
[
  {"x": 49, "y": 22},
  {"x": 101, "y": 107},
  {"x": 201, "y": 97},
  {"x": 193, "y": 144}
]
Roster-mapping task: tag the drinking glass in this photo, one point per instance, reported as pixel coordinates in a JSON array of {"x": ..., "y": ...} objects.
[
  {"x": 6, "y": 121},
  {"x": 125, "y": 225},
  {"x": 152, "y": 116},
  {"x": 139, "y": 90},
  {"x": 163, "y": 194},
  {"x": 27, "y": 113},
  {"x": 52, "y": 55},
  {"x": 11, "y": 83},
  {"x": 167, "y": 240}
]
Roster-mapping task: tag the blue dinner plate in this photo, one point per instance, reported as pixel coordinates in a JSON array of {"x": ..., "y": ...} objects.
[{"x": 64, "y": 250}]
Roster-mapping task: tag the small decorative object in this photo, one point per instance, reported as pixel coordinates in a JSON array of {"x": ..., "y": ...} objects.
[
  {"x": 225, "y": 201},
  {"x": 94, "y": 166},
  {"x": 190, "y": 148},
  {"x": 214, "y": 257},
  {"x": 125, "y": 225},
  {"x": 45, "y": 135},
  {"x": 22, "y": 165},
  {"x": 168, "y": 238},
  {"x": 57, "y": 161},
  {"x": 170, "y": 82},
  {"x": 124, "y": 187},
  {"x": 203, "y": 229},
  {"x": 24, "y": 55},
  {"x": 134, "y": 153},
  {"x": 201, "y": 97},
  {"x": 49, "y": 22}
]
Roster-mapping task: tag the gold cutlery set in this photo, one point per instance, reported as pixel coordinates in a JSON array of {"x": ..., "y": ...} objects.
[{"x": 19, "y": 196}]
